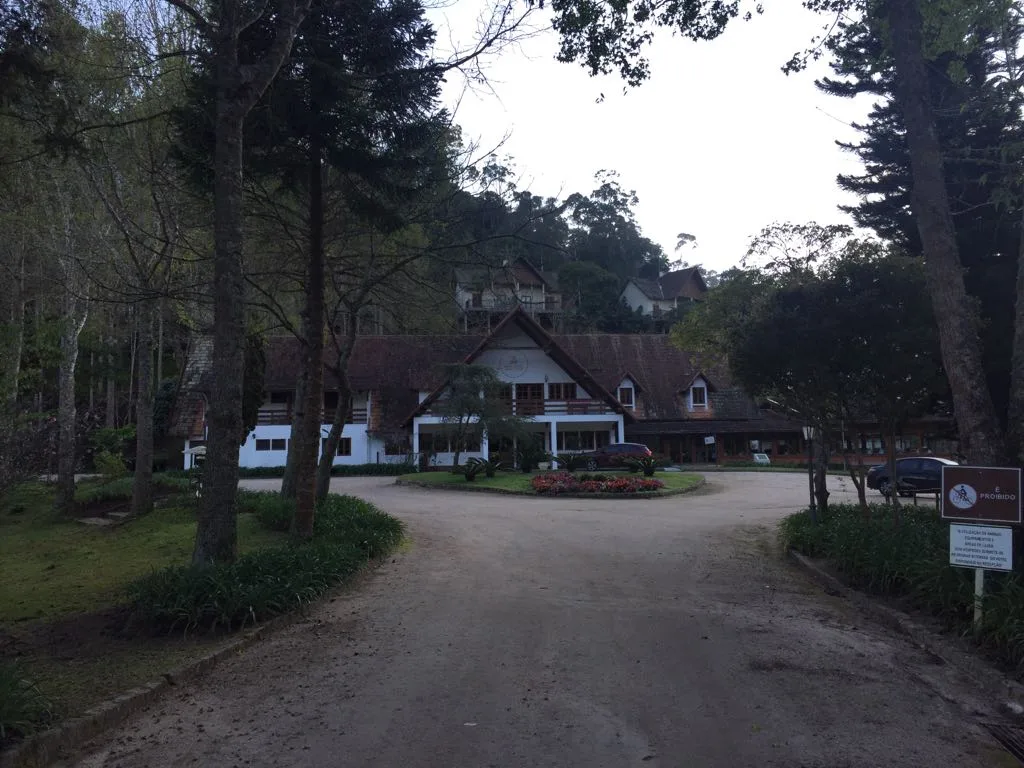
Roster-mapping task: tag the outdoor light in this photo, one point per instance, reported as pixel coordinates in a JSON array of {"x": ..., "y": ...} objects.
[{"x": 809, "y": 433}]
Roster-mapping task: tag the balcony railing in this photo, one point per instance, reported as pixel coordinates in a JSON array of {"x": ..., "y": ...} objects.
[
  {"x": 532, "y": 407},
  {"x": 277, "y": 417},
  {"x": 549, "y": 304}
]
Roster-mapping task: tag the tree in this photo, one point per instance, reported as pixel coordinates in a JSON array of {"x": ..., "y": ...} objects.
[
  {"x": 472, "y": 408},
  {"x": 237, "y": 78},
  {"x": 610, "y": 36}
]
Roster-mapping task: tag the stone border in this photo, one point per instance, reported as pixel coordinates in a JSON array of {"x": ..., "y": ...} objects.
[
  {"x": 56, "y": 743},
  {"x": 467, "y": 488},
  {"x": 969, "y": 664}
]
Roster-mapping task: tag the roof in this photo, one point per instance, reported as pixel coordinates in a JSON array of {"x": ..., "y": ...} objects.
[
  {"x": 687, "y": 283},
  {"x": 483, "y": 277},
  {"x": 194, "y": 385},
  {"x": 554, "y": 350}
]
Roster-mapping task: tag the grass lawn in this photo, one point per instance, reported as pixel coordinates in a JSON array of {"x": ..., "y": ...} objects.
[
  {"x": 51, "y": 567},
  {"x": 519, "y": 482},
  {"x": 61, "y": 582}
]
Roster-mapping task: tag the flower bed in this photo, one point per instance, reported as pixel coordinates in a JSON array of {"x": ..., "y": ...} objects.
[{"x": 555, "y": 483}]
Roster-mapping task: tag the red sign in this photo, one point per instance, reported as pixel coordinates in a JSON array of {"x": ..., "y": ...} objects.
[{"x": 981, "y": 494}]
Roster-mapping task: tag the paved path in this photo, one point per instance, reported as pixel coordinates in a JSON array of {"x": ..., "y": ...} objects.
[{"x": 543, "y": 632}]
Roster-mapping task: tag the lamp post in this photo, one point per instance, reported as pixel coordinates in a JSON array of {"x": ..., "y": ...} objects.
[{"x": 809, "y": 433}]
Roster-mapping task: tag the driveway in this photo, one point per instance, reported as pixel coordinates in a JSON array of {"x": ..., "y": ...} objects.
[{"x": 545, "y": 632}]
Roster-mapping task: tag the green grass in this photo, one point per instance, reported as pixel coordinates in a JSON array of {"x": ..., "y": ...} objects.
[
  {"x": 52, "y": 567},
  {"x": 519, "y": 482}
]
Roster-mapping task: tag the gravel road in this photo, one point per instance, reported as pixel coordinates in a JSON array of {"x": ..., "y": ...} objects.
[{"x": 544, "y": 632}]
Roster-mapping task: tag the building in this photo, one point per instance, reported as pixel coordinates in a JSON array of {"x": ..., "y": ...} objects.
[
  {"x": 669, "y": 292},
  {"x": 581, "y": 391},
  {"x": 484, "y": 295}
]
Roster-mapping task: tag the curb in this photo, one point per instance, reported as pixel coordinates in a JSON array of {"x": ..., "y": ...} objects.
[
  {"x": 506, "y": 492},
  {"x": 46, "y": 747},
  {"x": 968, "y": 664}
]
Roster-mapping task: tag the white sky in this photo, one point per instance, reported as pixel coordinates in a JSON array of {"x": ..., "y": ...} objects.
[{"x": 718, "y": 142}]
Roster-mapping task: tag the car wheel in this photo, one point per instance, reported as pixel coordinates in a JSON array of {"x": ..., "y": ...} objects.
[{"x": 591, "y": 465}]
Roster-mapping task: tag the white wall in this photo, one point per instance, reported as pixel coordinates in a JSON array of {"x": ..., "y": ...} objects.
[
  {"x": 515, "y": 343},
  {"x": 248, "y": 456},
  {"x": 634, "y": 297}
]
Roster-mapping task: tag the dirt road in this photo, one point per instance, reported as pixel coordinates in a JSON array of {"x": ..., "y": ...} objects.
[{"x": 562, "y": 633}]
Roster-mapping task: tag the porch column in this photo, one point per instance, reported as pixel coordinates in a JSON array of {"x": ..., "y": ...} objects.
[
  {"x": 554, "y": 442},
  {"x": 416, "y": 442},
  {"x": 620, "y": 431},
  {"x": 485, "y": 447}
]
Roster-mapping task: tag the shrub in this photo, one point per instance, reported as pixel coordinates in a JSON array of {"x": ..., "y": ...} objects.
[
  {"x": 573, "y": 462},
  {"x": 266, "y": 583},
  {"x": 120, "y": 489},
  {"x": 389, "y": 469},
  {"x": 272, "y": 510},
  {"x": 555, "y": 483},
  {"x": 646, "y": 464},
  {"x": 110, "y": 465},
  {"x": 491, "y": 467},
  {"x": 473, "y": 467},
  {"x": 905, "y": 553},
  {"x": 23, "y": 708},
  {"x": 530, "y": 454}
]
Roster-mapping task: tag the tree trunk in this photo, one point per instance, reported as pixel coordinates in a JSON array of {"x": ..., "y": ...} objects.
[
  {"x": 821, "y": 492},
  {"x": 11, "y": 371},
  {"x": 217, "y": 529},
  {"x": 857, "y": 476},
  {"x": 1015, "y": 415},
  {"x": 894, "y": 499},
  {"x": 67, "y": 415},
  {"x": 142, "y": 490},
  {"x": 306, "y": 463},
  {"x": 160, "y": 345},
  {"x": 288, "y": 482},
  {"x": 111, "y": 404},
  {"x": 323, "y": 470},
  {"x": 980, "y": 436}
]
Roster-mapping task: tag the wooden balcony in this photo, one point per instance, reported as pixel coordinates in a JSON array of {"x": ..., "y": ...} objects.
[
  {"x": 527, "y": 408},
  {"x": 278, "y": 417}
]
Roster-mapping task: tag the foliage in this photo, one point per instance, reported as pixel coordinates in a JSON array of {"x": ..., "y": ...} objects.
[
  {"x": 120, "y": 488},
  {"x": 647, "y": 464},
  {"x": 110, "y": 465},
  {"x": 384, "y": 469},
  {"x": 530, "y": 453},
  {"x": 555, "y": 483},
  {"x": 905, "y": 553},
  {"x": 273, "y": 511},
  {"x": 473, "y": 467},
  {"x": 163, "y": 403},
  {"x": 115, "y": 441},
  {"x": 269, "y": 582},
  {"x": 573, "y": 462},
  {"x": 23, "y": 707},
  {"x": 491, "y": 467}
]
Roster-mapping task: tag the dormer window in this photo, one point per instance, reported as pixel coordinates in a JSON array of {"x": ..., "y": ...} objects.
[
  {"x": 626, "y": 397},
  {"x": 698, "y": 396}
]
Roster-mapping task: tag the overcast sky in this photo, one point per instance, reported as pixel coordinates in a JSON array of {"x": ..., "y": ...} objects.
[{"x": 718, "y": 142}]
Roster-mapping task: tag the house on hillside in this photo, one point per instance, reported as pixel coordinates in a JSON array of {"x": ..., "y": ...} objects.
[
  {"x": 484, "y": 295},
  {"x": 669, "y": 292},
  {"x": 580, "y": 391}
]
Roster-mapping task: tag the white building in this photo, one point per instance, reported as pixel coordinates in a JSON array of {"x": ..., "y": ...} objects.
[{"x": 670, "y": 291}]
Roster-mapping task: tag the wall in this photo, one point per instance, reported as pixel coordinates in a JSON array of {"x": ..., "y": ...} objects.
[
  {"x": 516, "y": 345},
  {"x": 248, "y": 456},
  {"x": 634, "y": 297}
]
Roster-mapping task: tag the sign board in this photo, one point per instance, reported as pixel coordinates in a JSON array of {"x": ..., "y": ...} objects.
[
  {"x": 981, "y": 546},
  {"x": 710, "y": 440},
  {"x": 981, "y": 494},
  {"x": 762, "y": 458}
]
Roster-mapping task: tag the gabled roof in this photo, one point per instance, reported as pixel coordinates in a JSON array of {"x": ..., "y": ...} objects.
[
  {"x": 549, "y": 346},
  {"x": 700, "y": 375},
  {"x": 471, "y": 277},
  {"x": 687, "y": 283}
]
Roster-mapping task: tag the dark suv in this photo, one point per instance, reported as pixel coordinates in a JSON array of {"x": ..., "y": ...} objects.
[
  {"x": 615, "y": 455},
  {"x": 921, "y": 474}
]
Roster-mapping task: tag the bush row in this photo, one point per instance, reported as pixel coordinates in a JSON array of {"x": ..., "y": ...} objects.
[
  {"x": 120, "y": 489},
  {"x": 338, "y": 470},
  {"x": 263, "y": 584},
  {"x": 905, "y": 553}
]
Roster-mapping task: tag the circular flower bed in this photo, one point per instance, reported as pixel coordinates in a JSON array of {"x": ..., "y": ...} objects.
[{"x": 554, "y": 483}]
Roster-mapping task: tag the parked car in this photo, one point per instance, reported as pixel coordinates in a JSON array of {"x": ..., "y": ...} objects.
[
  {"x": 918, "y": 474},
  {"x": 615, "y": 455}
]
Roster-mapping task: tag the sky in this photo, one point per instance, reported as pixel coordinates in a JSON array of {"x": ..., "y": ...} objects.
[{"x": 718, "y": 143}]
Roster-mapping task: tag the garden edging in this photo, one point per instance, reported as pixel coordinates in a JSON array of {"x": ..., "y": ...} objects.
[
  {"x": 967, "y": 664},
  {"x": 505, "y": 491},
  {"x": 46, "y": 747}
]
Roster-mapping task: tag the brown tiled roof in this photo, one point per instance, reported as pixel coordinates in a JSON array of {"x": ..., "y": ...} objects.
[
  {"x": 189, "y": 411},
  {"x": 683, "y": 282}
]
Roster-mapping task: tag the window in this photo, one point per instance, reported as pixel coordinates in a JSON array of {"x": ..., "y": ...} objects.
[
  {"x": 279, "y": 444},
  {"x": 330, "y": 401},
  {"x": 262, "y": 445},
  {"x": 626, "y": 396},
  {"x": 344, "y": 446},
  {"x": 562, "y": 391},
  {"x": 699, "y": 397}
]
